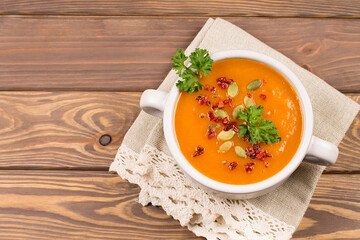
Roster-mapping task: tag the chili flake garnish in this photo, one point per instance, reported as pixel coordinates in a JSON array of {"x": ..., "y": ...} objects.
[
  {"x": 249, "y": 167},
  {"x": 225, "y": 121},
  {"x": 266, "y": 164},
  {"x": 249, "y": 95},
  {"x": 198, "y": 151},
  {"x": 223, "y": 82},
  {"x": 228, "y": 101},
  {"x": 262, "y": 96},
  {"x": 203, "y": 100},
  {"x": 210, "y": 88},
  {"x": 211, "y": 132},
  {"x": 232, "y": 165},
  {"x": 232, "y": 125},
  {"x": 256, "y": 152},
  {"x": 220, "y": 104},
  {"x": 212, "y": 117}
]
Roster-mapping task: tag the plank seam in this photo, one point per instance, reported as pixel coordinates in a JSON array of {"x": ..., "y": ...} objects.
[{"x": 182, "y": 15}]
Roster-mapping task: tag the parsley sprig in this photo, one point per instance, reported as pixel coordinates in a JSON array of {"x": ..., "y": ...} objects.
[
  {"x": 200, "y": 65},
  {"x": 257, "y": 129}
]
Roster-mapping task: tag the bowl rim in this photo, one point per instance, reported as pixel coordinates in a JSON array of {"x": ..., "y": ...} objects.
[{"x": 261, "y": 186}]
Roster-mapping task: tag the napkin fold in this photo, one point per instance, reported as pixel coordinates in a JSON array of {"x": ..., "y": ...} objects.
[{"x": 144, "y": 158}]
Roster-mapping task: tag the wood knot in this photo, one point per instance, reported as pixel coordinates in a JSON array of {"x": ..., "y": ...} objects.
[
  {"x": 310, "y": 48},
  {"x": 307, "y": 67},
  {"x": 105, "y": 139}
]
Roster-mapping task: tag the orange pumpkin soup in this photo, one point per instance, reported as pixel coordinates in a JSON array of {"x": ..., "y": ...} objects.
[{"x": 197, "y": 126}]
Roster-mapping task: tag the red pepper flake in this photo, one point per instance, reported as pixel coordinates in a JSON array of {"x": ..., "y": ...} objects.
[
  {"x": 249, "y": 95},
  {"x": 249, "y": 167},
  {"x": 225, "y": 121},
  {"x": 211, "y": 133},
  {"x": 231, "y": 125},
  {"x": 203, "y": 100},
  {"x": 232, "y": 165},
  {"x": 255, "y": 151},
  {"x": 228, "y": 101},
  {"x": 212, "y": 117},
  {"x": 223, "y": 82},
  {"x": 264, "y": 81},
  {"x": 200, "y": 99},
  {"x": 263, "y": 96},
  {"x": 266, "y": 164},
  {"x": 235, "y": 127},
  {"x": 198, "y": 151},
  {"x": 246, "y": 138},
  {"x": 207, "y": 101},
  {"x": 244, "y": 110},
  {"x": 220, "y": 104},
  {"x": 207, "y": 87}
]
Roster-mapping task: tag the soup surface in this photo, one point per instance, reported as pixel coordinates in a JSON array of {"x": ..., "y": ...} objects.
[{"x": 281, "y": 106}]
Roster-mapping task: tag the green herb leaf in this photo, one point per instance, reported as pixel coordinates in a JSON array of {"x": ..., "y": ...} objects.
[
  {"x": 190, "y": 83},
  {"x": 200, "y": 61},
  {"x": 243, "y": 130},
  {"x": 200, "y": 65},
  {"x": 178, "y": 60},
  {"x": 257, "y": 129}
]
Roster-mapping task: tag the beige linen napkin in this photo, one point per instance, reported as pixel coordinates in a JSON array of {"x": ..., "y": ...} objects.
[{"x": 144, "y": 158}]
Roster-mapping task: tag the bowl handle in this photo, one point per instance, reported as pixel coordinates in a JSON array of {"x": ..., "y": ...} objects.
[
  {"x": 321, "y": 152},
  {"x": 153, "y": 102}
]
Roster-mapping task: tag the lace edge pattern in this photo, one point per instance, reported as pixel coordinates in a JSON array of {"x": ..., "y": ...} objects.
[{"x": 164, "y": 184}]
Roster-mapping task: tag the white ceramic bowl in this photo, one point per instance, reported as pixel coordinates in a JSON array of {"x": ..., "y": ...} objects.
[{"x": 162, "y": 104}]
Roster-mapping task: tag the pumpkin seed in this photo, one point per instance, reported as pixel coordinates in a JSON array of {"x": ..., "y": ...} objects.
[
  {"x": 249, "y": 101},
  {"x": 254, "y": 85},
  {"x": 226, "y": 135},
  {"x": 225, "y": 146},
  {"x": 221, "y": 113},
  {"x": 240, "y": 152},
  {"x": 236, "y": 111},
  {"x": 233, "y": 90}
]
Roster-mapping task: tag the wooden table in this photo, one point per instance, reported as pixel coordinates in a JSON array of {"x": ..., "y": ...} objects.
[{"x": 72, "y": 72}]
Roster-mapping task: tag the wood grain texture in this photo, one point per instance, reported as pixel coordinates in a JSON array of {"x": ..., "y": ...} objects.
[
  {"x": 62, "y": 130},
  {"x": 133, "y": 53},
  {"x": 334, "y": 210},
  {"x": 349, "y": 148},
  {"x": 320, "y": 8},
  {"x": 99, "y": 205}
]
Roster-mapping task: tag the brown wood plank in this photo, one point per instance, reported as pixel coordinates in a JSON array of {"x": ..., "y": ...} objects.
[
  {"x": 62, "y": 129},
  {"x": 349, "y": 148},
  {"x": 99, "y": 205},
  {"x": 334, "y": 210},
  {"x": 133, "y": 53},
  {"x": 323, "y": 8}
]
